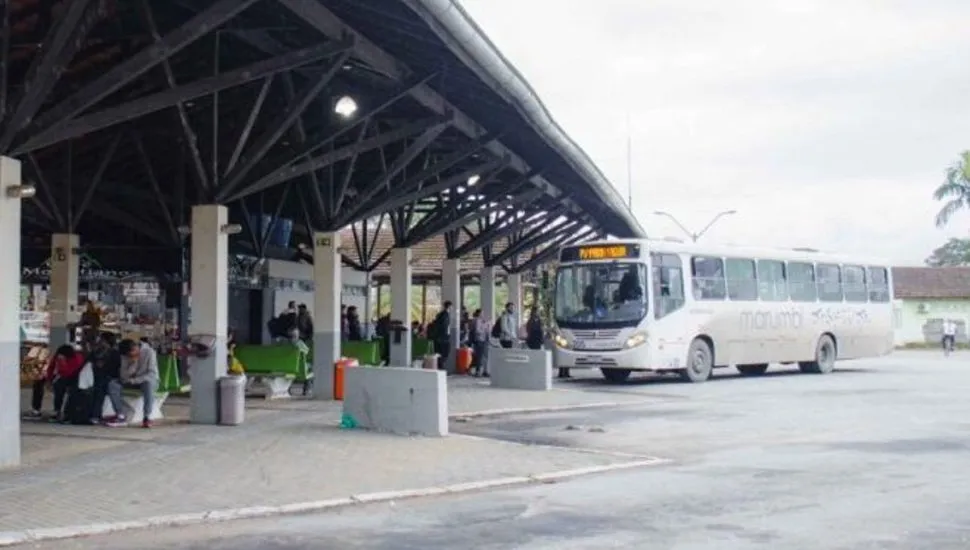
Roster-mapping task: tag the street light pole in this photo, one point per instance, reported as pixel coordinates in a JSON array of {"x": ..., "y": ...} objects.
[{"x": 695, "y": 236}]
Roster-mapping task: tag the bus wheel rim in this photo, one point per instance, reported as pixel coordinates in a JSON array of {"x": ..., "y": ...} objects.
[
  {"x": 825, "y": 354},
  {"x": 699, "y": 364}
]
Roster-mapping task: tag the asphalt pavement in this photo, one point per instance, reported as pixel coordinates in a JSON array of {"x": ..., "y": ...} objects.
[{"x": 873, "y": 456}]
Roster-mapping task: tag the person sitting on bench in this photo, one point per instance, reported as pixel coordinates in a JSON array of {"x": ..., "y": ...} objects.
[
  {"x": 62, "y": 374},
  {"x": 139, "y": 370}
]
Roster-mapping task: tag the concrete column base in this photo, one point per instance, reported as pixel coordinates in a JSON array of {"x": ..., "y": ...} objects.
[
  {"x": 520, "y": 369},
  {"x": 398, "y": 400},
  {"x": 326, "y": 345}
]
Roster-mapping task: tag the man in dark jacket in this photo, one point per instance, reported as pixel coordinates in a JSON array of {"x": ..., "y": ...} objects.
[
  {"x": 440, "y": 334},
  {"x": 304, "y": 323},
  {"x": 106, "y": 363}
]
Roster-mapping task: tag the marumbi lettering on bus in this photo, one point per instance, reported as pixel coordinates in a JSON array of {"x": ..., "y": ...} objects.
[{"x": 771, "y": 320}]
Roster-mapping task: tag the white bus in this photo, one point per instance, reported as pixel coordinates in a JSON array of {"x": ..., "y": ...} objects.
[{"x": 687, "y": 308}]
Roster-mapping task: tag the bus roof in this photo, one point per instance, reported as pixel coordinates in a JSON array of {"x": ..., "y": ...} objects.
[{"x": 732, "y": 251}]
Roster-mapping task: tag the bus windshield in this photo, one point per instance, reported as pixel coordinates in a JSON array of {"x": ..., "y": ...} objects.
[{"x": 600, "y": 295}]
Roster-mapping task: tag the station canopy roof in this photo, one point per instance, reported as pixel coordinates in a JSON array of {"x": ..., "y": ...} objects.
[{"x": 125, "y": 113}]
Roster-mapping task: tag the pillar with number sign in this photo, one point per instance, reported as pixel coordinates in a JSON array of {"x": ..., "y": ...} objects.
[
  {"x": 327, "y": 287},
  {"x": 210, "y": 307},
  {"x": 10, "y": 206},
  {"x": 63, "y": 296}
]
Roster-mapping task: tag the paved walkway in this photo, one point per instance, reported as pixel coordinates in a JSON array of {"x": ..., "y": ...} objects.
[{"x": 287, "y": 453}]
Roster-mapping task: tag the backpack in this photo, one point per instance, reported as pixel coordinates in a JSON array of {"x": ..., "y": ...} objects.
[
  {"x": 497, "y": 328},
  {"x": 79, "y": 407}
]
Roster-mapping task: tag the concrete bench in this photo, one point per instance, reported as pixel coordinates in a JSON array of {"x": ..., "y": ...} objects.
[
  {"x": 169, "y": 382},
  {"x": 398, "y": 400},
  {"x": 271, "y": 370},
  {"x": 134, "y": 404},
  {"x": 520, "y": 369}
]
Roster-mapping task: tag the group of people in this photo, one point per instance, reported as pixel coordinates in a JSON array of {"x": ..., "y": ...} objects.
[
  {"x": 297, "y": 319},
  {"x": 478, "y": 331},
  {"x": 79, "y": 394}
]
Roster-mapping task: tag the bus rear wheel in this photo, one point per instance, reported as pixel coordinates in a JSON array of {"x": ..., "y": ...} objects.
[
  {"x": 752, "y": 370},
  {"x": 700, "y": 362},
  {"x": 824, "y": 362},
  {"x": 616, "y": 375}
]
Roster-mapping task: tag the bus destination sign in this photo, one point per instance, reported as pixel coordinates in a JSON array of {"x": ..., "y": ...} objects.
[{"x": 600, "y": 252}]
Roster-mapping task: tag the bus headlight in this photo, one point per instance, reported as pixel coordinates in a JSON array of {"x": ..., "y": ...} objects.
[
  {"x": 560, "y": 340},
  {"x": 638, "y": 339}
]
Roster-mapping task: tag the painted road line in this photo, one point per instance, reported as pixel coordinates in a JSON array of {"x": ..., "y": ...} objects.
[{"x": 12, "y": 538}]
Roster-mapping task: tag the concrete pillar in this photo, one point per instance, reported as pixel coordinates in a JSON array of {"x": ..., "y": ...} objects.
[
  {"x": 62, "y": 300},
  {"x": 368, "y": 306},
  {"x": 9, "y": 315},
  {"x": 327, "y": 287},
  {"x": 515, "y": 293},
  {"x": 401, "y": 304},
  {"x": 487, "y": 293},
  {"x": 209, "y": 282},
  {"x": 451, "y": 292}
]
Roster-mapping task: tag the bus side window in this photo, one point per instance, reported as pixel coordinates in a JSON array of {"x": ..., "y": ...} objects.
[
  {"x": 708, "y": 278},
  {"x": 801, "y": 282},
  {"x": 829, "y": 282},
  {"x": 878, "y": 282},
  {"x": 668, "y": 284},
  {"x": 854, "y": 284},
  {"x": 772, "y": 286},
  {"x": 742, "y": 279}
]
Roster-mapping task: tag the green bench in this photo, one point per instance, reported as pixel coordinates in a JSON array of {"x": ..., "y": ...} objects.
[
  {"x": 421, "y": 347},
  {"x": 365, "y": 352},
  {"x": 274, "y": 368}
]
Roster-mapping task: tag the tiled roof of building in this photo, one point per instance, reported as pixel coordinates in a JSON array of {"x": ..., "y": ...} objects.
[{"x": 931, "y": 282}]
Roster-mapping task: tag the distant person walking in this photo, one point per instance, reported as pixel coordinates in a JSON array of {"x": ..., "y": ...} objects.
[{"x": 508, "y": 327}]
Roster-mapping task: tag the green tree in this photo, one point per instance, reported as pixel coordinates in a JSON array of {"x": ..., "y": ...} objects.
[
  {"x": 954, "y": 192},
  {"x": 954, "y": 253}
]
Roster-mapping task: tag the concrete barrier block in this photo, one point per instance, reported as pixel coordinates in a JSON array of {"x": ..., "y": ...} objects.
[
  {"x": 520, "y": 369},
  {"x": 399, "y": 400}
]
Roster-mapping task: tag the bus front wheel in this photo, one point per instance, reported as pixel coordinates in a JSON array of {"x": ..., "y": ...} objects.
[
  {"x": 700, "y": 362},
  {"x": 616, "y": 375}
]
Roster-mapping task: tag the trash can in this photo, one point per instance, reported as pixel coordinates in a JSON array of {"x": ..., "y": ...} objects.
[
  {"x": 338, "y": 376},
  {"x": 232, "y": 400}
]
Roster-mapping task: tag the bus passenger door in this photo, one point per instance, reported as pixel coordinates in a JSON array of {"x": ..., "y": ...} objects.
[{"x": 667, "y": 302}]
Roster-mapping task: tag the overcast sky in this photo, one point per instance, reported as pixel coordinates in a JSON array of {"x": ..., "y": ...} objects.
[{"x": 825, "y": 123}]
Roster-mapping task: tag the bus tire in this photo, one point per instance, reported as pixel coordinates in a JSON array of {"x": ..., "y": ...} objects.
[
  {"x": 616, "y": 375},
  {"x": 752, "y": 370},
  {"x": 825, "y": 353},
  {"x": 700, "y": 362}
]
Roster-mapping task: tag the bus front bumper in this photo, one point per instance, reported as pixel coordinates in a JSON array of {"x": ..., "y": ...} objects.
[{"x": 637, "y": 358}]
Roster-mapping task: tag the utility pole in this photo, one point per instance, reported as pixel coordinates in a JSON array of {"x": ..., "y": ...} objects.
[{"x": 629, "y": 163}]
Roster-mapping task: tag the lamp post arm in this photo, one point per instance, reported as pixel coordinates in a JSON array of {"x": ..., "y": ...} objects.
[{"x": 710, "y": 224}]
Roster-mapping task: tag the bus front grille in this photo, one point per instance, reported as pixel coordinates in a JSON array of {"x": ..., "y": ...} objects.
[
  {"x": 595, "y": 361},
  {"x": 596, "y": 334}
]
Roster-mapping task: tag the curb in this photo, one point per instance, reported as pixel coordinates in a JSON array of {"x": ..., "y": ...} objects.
[
  {"x": 13, "y": 538},
  {"x": 550, "y": 408}
]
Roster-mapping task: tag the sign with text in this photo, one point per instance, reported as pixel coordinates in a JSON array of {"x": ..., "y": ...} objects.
[{"x": 617, "y": 251}]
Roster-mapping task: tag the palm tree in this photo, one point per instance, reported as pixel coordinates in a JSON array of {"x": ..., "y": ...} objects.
[{"x": 955, "y": 190}]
